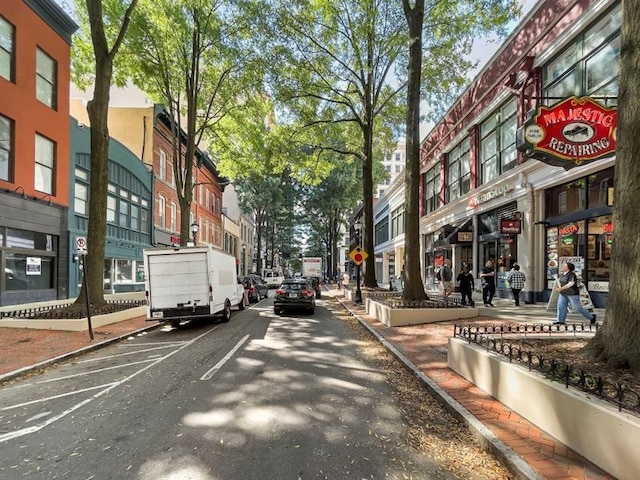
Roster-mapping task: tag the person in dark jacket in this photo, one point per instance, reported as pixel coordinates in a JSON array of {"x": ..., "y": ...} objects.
[
  {"x": 465, "y": 281},
  {"x": 488, "y": 277},
  {"x": 567, "y": 287}
]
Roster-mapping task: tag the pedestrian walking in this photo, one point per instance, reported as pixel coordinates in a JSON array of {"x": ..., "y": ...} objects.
[
  {"x": 569, "y": 293},
  {"x": 488, "y": 280},
  {"x": 345, "y": 282},
  {"x": 516, "y": 281},
  {"x": 446, "y": 278},
  {"x": 465, "y": 282}
]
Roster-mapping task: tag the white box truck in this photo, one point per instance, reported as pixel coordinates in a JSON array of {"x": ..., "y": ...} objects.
[
  {"x": 312, "y": 266},
  {"x": 190, "y": 282}
]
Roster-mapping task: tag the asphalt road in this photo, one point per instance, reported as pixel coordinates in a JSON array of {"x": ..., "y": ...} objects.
[{"x": 261, "y": 397}]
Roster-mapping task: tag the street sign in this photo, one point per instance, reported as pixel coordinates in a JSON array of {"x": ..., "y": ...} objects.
[
  {"x": 358, "y": 255},
  {"x": 81, "y": 245}
]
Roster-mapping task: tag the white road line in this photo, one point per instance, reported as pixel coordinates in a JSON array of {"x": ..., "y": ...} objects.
[
  {"x": 123, "y": 354},
  {"x": 151, "y": 343},
  {"x": 36, "y": 428},
  {"x": 226, "y": 358},
  {"x": 54, "y": 397},
  {"x": 115, "y": 367}
]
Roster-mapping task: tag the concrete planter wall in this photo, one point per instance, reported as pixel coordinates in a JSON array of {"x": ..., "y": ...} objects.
[
  {"x": 593, "y": 428},
  {"x": 77, "y": 324},
  {"x": 395, "y": 317}
]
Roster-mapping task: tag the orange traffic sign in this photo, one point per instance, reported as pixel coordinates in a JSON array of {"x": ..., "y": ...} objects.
[{"x": 358, "y": 255}]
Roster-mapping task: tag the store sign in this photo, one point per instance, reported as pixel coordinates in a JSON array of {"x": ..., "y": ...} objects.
[
  {"x": 34, "y": 266},
  {"x": 495, "y": 192},
  {"x": 571, "y": 132},
  {"x": 510, "y": 227},
  {"x": 465, "y": 236},
  {"x": 569, "y": 229}
]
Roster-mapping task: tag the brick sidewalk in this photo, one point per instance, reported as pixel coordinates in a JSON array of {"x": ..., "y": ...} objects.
[
  {"x": 21, "y": 348},
  {"x": 425, "y": 346}
]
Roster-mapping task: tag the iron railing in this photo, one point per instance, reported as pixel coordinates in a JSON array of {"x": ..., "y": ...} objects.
[
  {"x": 492, "y": 338},
  {"x": 35, "y": 312},
  {"x": 394, "y": 299}
]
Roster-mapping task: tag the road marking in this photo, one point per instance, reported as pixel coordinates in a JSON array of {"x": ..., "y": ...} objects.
[
  {"x": 123, "y": 354},
  {"x": 54, "y": 397},
  {"x": 115, "y": 367},
  {"x": 36, "y": 428},
  {"x": 226, "y": 358},
  {"x": 152, "y": 343}
]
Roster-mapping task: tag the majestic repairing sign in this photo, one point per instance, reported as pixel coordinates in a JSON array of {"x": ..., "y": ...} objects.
[{"x": 570, "y": 133}]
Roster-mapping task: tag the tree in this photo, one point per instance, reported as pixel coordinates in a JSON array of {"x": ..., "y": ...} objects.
[
  {"x": 103, "y": 27},
  {"x": 336, "y": 62},
  {"x": 616, "y": 341},
  {"x": 187, "y": 54},
  {"x": 439, "y": 39}
]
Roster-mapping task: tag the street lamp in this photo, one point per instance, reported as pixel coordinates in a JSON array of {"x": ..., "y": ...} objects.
[
  {"x": 358, "y": 298},
  {"x": 194, "y": 231},
  {"x": 244, "y": 259}
]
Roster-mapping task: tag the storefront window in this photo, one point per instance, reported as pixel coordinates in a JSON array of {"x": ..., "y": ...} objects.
[
  {"x": 599, "y": 241},
  {"x": 31, "y": 240},
  {"x": 124, "y": 271},
  {"x": 23, "y": 272}
]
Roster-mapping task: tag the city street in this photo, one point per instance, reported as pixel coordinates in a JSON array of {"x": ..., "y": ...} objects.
[{"x": 262, "y": 397}]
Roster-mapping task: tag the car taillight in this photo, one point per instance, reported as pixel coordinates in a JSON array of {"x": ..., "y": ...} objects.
[
  {"x": 308, "y": 293},
  {"x": 279, "y": 291},
  {"x": 252, "y": 289}
]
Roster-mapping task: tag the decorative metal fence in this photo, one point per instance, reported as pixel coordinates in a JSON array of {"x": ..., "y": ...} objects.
[
  {"x": 492, "y": 338},
  {"x": 35, "y": 312}
]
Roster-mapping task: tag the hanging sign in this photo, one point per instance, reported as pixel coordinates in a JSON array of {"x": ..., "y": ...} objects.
[
  {"x": 510, "y": 227},
  {"x": 569, "y": 133}
]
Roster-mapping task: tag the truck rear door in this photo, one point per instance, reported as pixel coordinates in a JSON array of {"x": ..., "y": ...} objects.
[{"x": 178, "y": 279}]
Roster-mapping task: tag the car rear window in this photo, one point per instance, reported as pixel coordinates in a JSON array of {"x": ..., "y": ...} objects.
[{"x": 294, "y": 286}]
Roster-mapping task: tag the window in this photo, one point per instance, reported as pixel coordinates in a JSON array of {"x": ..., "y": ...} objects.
[
  {"x": 45, "y": 154},
  {"x": 432, "y": 189},
  {"x": 458, "y": 171},
  {"x": 397, "y": 222},
  {"x": 589, "y": 66},
  {"x": 163, "y": 166},
  {"x": 6, "y": 148},
  {"x": 46, "y": 79},
  {"x": 123, "y": 214},
  {"x": 144, "y": 220},
  {"x": 566, "y": 198},
  {"x": 498, "y": 142},
  {"x": 135, "y": 217},
  {"x": 81, "y": 196},
  {"x": 111, "y": 209},
  {"x": 398, "y": 168},
  {"x": 7, "y": 39},
  {"x": 174, "y": 216},
  {"x": 162, "y": 206},
  {"x": 381, "y": 231}
]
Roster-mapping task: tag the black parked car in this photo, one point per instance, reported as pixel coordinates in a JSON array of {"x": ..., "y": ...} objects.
[
  {"x": 258, "y": 288},
  {"x": 294, "y": 293}
]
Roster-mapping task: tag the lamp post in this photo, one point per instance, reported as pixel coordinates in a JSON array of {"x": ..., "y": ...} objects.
[
  {"x": 358, "y": 297},
  {"x": 194, "y": 231},
  {"x": 244, "y": 259}
]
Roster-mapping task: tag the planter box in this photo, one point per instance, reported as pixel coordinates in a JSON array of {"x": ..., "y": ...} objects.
[
  {"x": 76, "y": 324},
  {"x": 395, "y": 317},
  {"x": 593, "y": 428}
]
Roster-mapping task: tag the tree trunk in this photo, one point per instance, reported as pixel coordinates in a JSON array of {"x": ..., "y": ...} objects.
[
  {"x": 617, "y": 340},
  {"x": 413, "y": 286},
  {"x": 97, "y": 109}
]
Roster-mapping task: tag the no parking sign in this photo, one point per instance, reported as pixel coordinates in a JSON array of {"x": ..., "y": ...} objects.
[{"x": 81, "y": 245}]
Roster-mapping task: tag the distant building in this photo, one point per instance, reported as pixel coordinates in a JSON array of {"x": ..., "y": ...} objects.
[{"x": 394, "y": 163}]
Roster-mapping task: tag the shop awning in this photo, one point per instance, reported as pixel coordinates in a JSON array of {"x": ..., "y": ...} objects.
[
  {"x": 461, "y": 233},
  {"x": 466, "y": 228}
]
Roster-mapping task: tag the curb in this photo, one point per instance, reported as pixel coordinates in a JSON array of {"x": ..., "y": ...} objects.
[
  {"x": 5, "y": 377},
  {"x": 488, "y": 441}
]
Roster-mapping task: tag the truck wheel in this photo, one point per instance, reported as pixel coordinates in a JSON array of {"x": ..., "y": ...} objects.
[{"x": 226, "y": 313}]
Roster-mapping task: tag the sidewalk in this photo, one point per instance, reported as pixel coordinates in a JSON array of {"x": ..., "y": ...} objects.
[{"x": 423, "y": 348}]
